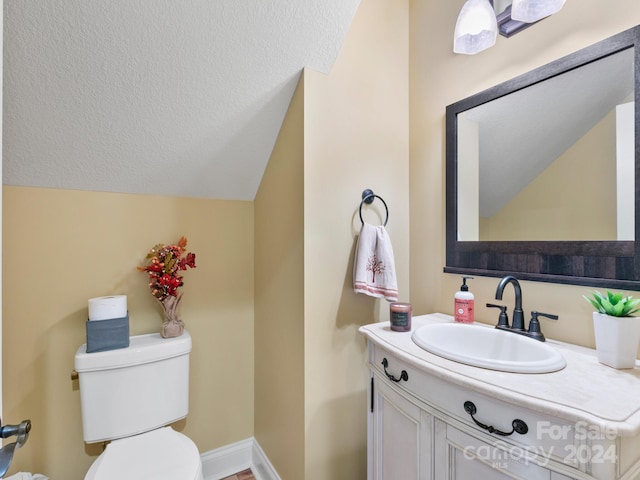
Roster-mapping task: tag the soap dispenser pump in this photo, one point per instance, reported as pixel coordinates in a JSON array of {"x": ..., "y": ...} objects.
[{"x": 463, "y": 311}]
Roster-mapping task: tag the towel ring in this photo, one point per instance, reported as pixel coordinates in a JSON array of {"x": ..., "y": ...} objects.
[{"x": 368, "y": 197}]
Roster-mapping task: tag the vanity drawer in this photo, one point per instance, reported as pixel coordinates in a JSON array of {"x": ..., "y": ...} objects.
[{"x": 546, "y": 438}]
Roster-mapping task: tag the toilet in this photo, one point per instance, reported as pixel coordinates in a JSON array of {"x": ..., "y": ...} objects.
[{"x": 129, "y": 396}]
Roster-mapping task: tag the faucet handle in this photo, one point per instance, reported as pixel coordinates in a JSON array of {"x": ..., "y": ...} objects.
[
  {"x": 503, "y": 319},
  {"x": 534, "y": 324}
]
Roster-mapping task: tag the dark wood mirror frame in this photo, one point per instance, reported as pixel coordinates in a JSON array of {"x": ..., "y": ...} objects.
[{"x": 607, "y": 264}]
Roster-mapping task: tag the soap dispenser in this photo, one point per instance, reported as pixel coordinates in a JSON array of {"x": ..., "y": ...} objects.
[{"x": 463, "y": 303}]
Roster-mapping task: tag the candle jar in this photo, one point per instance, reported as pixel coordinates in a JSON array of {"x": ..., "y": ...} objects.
[{"x": 400, "y": 317}]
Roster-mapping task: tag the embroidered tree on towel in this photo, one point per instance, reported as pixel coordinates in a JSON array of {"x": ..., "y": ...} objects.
[{"x": 374, "y": 266}]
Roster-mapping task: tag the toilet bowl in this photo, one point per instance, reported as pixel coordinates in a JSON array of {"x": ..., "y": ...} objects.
[
  {"x": 129, "y": 397},
  {"x": 161, "y": 454}
]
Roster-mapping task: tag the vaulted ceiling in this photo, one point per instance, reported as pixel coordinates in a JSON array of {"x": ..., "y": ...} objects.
[{"x": 180, "y": 98}]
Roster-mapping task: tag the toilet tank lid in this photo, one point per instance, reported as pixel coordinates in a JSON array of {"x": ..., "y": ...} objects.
[{"x": 142, "y": 349}]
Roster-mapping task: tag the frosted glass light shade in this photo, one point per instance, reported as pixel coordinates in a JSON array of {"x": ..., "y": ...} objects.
[
  {"x": 530, "y": 11},
  {"x": 476, "y": 28}
]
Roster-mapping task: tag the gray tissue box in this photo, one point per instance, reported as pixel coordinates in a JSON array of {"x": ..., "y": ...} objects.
[{"x": 103, "y": 335}]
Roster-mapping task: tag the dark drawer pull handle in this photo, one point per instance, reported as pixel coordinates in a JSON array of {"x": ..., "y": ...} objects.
[
  {"x": 518, "y": 425},
  {"x": 403, "y": 375}
]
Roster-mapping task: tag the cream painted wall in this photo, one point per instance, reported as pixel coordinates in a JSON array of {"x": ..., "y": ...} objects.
[
  {"x": 356, "y": 137},
  {"x": 1, "y": 120},
  {"x": 439, "y": 78},
  {"x": 279, "y": 299},
  {"x": 343, "y": 133},
  {"x": 64, "y": 247}
]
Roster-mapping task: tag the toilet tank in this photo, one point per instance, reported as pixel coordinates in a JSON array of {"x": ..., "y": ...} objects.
[{"x": 133, "y": 390}]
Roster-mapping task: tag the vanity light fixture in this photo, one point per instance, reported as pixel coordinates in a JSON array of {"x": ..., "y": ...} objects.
[
  {"x": 478, "y": 24},
  {"x": 476, "y": 27},
  {"x": 533, "y": 10}
]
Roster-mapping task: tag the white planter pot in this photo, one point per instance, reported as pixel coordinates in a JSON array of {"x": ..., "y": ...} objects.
[{"x": 617, "y": 340}]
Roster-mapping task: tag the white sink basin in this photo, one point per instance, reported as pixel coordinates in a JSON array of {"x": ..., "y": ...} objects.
[{"x": 488, "y": 347}]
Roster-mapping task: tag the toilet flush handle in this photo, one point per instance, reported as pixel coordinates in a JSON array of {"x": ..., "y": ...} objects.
[
  {"x": 22, "y": 431},
  {"x": 7, "y": 451}
]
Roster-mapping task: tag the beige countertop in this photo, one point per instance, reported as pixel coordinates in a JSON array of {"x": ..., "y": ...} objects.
[{"x": 585, "y": 390}]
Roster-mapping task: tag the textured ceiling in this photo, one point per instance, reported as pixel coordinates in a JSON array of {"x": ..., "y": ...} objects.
[{"x": 169, "y": 97}]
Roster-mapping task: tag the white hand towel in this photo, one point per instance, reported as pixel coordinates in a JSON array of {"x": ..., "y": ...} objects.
[{"x": 374, "y": 268}]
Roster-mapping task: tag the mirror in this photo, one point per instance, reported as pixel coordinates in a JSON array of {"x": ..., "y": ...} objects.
[
  {"x": 519, "y": 174},
  {"x": 542, "y": 172}
]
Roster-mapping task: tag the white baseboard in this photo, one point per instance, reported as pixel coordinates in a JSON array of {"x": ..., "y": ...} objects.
[
  {"x": 234, "y": 458},
  {"x": 260, "y": 464}
]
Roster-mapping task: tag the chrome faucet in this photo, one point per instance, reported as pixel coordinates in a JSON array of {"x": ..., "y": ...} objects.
[{"x": 518, "y": 314}]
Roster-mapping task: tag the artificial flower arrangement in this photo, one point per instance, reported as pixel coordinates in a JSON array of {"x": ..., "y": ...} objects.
[{"x": 166, "y": 262}]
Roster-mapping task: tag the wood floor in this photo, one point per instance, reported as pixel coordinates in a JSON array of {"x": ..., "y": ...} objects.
[{"x": 243, "y": 475}]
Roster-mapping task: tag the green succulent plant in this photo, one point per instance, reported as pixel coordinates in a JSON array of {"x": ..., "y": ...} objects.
[{"x": 614, "y": 304}]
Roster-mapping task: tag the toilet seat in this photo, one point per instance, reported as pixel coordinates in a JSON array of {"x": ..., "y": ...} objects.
[{"x": 162, "y": 454}]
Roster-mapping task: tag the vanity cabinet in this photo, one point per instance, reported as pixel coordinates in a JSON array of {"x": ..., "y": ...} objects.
[
  {"x": 400, "y": 432},
  {"x": 468, "y": 457},
  {"x": 420, "y": 429}
]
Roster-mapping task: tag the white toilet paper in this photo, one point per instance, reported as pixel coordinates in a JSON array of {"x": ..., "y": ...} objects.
[{"x": 105, "y": 308}]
